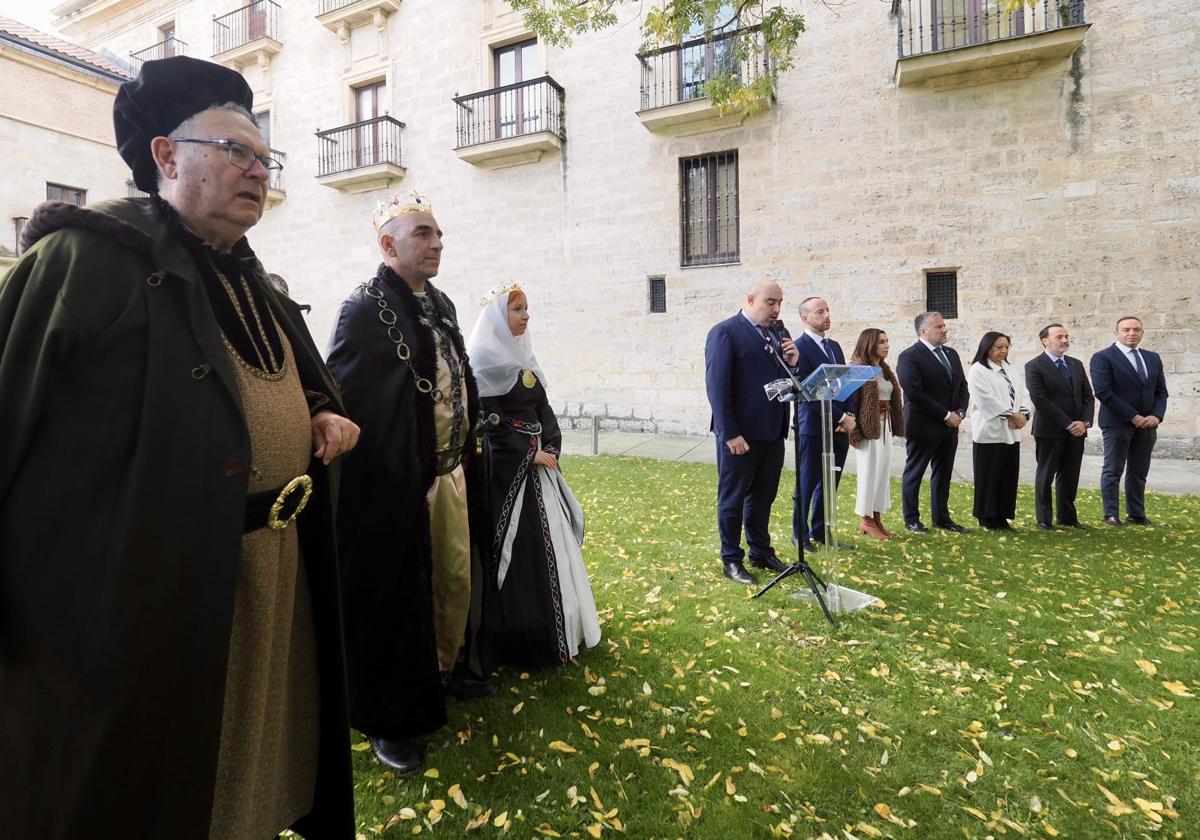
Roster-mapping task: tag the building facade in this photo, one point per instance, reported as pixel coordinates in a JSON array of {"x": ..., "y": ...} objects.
[
  {"x": 1010, "y": 168},
  {"x": 55, "y": 128}
]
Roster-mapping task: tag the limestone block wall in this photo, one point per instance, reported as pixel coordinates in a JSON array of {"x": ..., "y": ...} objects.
[{"x": 1067, "y": 190}]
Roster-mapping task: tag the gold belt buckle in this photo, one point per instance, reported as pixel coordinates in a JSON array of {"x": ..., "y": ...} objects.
[{"x": 300, "y": 481}]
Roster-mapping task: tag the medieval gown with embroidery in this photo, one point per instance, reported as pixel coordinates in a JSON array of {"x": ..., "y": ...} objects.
[{"x": 542, "y": 610}]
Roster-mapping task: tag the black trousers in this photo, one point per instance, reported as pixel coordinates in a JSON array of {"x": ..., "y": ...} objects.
[
  {"x": 1126, "y": 449},
  {"x": 997, "y": 470},
  {"x": 936, "y": 452},
  {"x": 746, "y": 489},
  {"x": 1058, "y": 461}
]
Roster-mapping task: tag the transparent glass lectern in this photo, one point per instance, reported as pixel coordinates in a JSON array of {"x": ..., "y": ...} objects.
[{"x": 825, "y": 385}]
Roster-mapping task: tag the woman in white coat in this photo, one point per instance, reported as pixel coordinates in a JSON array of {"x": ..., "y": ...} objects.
[{"x": 999, "y": 410}]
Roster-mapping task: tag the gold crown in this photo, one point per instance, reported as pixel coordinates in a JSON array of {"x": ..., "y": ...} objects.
[
  {"x": 399, "y": 205},
  {"x": 496, "y": 291}
]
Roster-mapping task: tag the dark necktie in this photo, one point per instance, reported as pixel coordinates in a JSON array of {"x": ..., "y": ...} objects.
[
  {"x": 828, "y": 348},
  {"x": 1012, "y": 393},
  {"x": 1061, "y": 364},
  {"x": 941, "y": 354},
  {"x": 767, "y": 335},
  {"x": 1141, "y": 366}
]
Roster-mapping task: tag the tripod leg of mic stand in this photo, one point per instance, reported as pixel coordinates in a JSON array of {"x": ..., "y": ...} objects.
[
  {"x": 788, "y": 572},
  {"x": 812, "y": 579}
]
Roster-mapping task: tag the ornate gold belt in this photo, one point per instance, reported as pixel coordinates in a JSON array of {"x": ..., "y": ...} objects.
[{"x": 278, "y": 508}]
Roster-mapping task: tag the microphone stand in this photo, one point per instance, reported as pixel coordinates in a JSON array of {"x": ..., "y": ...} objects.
[{"x": 814, "y": 581}]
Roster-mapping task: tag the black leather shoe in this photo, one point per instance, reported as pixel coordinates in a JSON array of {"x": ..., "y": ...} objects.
[
  {"x": 402, "y": 755},
  {"x": 468, "y": 686},
  {"x": 950, "y": 525},
  {"x": 1139, "y": 520},
  {"x": 916, "y": 527},
  {"x": 810, "y": 547},
  {"x": 1078, "y": 526},
  {"x": 1112, "y": 520},
  {"x": 737, "y": 573},
  {"x": 773, "y": 563},
  {"x": 1045, "y": 526}
]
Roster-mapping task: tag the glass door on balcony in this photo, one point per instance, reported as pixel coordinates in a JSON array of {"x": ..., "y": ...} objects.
[
  {"x": 258, "y": 20},
  {"x": 368, "y": 104},
  {"x": 515, "y": 112},
  {"x": 700, "y": 62},
  {"x": 168, "y": 39},
  {"x": 961, "y": 23}
]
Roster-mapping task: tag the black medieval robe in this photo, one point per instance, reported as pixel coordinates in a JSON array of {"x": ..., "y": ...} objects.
[
  {"x": 123, "y": 476},
  {"x": 383, "y": 519}
]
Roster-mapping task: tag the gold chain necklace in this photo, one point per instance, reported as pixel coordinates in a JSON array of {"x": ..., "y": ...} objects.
[
  {"x": 274, "y": 370},
  {"x": 404, "y": 353}
]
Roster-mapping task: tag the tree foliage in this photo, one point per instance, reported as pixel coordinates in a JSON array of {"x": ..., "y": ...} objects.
[{"x": 669, "y": 22}]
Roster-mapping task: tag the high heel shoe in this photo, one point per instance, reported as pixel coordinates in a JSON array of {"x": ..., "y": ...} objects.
[
  {"x": 866, "y": 525},
  {"x": 887, "y": 535}
]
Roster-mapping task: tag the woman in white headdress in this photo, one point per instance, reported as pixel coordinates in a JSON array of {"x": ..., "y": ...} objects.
[{"x": 542, "y": 611}]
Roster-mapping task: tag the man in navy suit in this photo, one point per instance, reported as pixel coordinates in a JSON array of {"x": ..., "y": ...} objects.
[
  {"x": 1063, "y": 408},
  {"x": 816, "y": 349},
  {"x": 1132, "y": 390},
  {"x": 935, "y": 402},
  {"x": 739, "y": 359}
]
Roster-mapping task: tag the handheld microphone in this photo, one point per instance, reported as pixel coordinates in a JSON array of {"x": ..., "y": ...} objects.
[{"x": 779, "y": 330}]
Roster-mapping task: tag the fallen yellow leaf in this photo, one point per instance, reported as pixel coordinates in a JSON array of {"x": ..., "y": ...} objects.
[
  {"x": 1146, "y": 666},
  {"x": 562, "y": 746}
]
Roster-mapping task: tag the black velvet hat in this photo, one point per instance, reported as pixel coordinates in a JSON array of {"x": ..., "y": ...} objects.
[{"x": 165, "y": 93}]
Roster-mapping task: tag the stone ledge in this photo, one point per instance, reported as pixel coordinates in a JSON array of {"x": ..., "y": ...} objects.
[
  {"x": 510, "y": 151},
  {"x": 696, "y": 116},
  {"x": 1026, "y": 50},
  {"x": 377, "y": 176}
]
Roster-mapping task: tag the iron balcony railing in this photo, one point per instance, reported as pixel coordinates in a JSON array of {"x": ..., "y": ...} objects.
[
  {"x": 163, "y": 49},
  {"x": 927, "y": 26},
  {"x": 324, "y": 7},
  {"x": 258, "y": 20},
  {"x": 678, "y": 73},
  {"x": 510, "y": 111},
  {"x": 131, "y": 190},
  {"x": 364, "y": 143},
  {"x": 275, "y": 176}
]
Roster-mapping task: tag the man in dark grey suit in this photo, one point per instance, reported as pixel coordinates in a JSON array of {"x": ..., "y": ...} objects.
[
  {"x": 1132, "y": 391},
  {"x": 935, "y": 402},
  {"x": 1063, "y": 409}
]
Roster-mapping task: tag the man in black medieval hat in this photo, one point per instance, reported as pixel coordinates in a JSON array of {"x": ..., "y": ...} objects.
[{"x": 170, "y": 642}]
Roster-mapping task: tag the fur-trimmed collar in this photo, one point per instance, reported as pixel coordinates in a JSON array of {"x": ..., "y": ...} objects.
[{"x": 50, "y": 216}]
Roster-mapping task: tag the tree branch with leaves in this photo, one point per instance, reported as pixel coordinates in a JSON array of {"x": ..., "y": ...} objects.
[{"x": 762, "y": 33}]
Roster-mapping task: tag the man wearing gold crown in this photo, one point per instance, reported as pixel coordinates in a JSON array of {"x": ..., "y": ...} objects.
[{"x": 397, "y": 354}]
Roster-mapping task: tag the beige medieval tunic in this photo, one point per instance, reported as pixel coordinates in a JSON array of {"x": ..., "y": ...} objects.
[
  {"x": 267, "y": 765},
  {"x": 450, "y": 532}
]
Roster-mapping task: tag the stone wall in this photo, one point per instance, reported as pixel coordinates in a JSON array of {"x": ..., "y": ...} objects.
[{"x": 1066, "y": 190}]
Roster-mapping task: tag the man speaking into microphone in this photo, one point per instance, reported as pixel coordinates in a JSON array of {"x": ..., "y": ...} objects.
[{"x": 741, "y": 355}]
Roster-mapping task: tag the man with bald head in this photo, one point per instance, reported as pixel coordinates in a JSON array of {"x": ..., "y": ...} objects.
[
  {"x": 403, "y": 518},
  {"x": 816, "y": 349},
  {"x": 739, "y": 359}
]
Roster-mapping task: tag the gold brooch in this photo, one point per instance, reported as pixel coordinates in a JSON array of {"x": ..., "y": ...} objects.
[{"x": 527, "y": 378}]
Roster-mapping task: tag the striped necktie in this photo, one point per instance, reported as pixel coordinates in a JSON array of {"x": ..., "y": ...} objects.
[
  {"x": 941, "y": 354},
  {"x": 1012, "y": 392}
]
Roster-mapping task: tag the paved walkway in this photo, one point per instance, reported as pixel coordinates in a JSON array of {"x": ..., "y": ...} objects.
[{"x": 1173, "y": 476}]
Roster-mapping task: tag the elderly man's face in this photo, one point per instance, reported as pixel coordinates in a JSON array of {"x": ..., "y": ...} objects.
[
  {"x": 412, "y": 246},
  {"x": 209, "y": 192}
]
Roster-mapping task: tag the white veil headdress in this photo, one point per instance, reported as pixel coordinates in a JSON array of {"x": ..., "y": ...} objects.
[{"x": 497, "y": 356}]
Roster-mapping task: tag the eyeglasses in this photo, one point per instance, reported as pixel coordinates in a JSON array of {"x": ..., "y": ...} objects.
[{"x": 240, "y": 155}]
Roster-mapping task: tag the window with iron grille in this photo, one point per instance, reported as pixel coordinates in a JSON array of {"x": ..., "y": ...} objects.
[
  {"x": 71, "y": 195},
  {"x": 18, "y": 226},
  {"x": 658, "y": 293},
  {"x": 941, "y": 293},
  {"x": 708, "y": 197}
]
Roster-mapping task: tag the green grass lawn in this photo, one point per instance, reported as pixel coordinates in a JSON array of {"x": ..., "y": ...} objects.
[{"x": 1023, "y": 685}]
